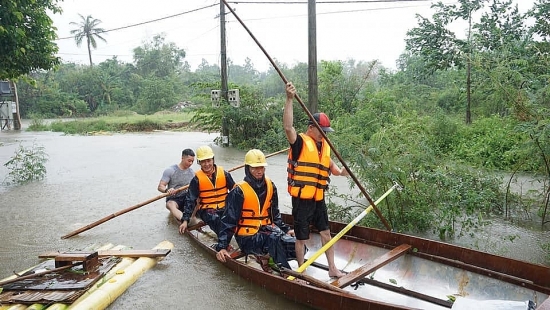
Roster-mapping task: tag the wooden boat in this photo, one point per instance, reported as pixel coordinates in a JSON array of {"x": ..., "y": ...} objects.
[
  {"x": 88, "y": 279},
  {"x": 387, "y": 270}
]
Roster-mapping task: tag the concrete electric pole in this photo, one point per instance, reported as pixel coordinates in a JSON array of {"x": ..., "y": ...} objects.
[
  {"x": 224, "y": 90},
  {"x": 313, "y": 89}
]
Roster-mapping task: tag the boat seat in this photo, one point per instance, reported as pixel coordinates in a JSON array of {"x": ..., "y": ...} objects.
[
  {"x": 89, "y": 260},
  {"x": 371, "y": 266}
]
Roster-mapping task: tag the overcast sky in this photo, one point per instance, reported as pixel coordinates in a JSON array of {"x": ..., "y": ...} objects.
[{"x": 362, "y": 31}]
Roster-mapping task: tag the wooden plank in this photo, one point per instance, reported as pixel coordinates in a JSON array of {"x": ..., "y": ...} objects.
[
  {"x": 116, "y": 253},
  {"x": 370, "y": 267},
  {"x": 75, "y": 256}
]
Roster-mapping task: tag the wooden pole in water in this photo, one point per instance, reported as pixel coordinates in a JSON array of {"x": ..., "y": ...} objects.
[{"x": 332, "y": 147}]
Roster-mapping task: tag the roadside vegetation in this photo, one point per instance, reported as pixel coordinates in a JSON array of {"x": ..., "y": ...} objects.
[
  {"x": 121, "y": 121},
  {"x": 454, "y": 116},
  {"x": 26, "y": 165}
]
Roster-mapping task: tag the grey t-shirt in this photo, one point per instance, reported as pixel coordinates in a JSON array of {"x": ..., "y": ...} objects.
[{"x": 176, "y": 178}]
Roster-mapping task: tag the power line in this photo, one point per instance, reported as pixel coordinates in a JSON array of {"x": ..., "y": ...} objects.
[
  {"x": 326, "y": 2},
  {"x": 149, "y": 21},
  {"x": 262, "y": 2},
  {"x": 333, "y": 12}
]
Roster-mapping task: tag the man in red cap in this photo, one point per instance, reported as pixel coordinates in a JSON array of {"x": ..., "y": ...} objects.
[{"x": 309, "y": 168}]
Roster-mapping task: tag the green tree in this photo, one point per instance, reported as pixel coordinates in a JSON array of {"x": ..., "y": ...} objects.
[
  {"x": 27, "y": 37},
  {"x": 341, "y": 85},
  {"x": 159, "y": 65},
  {"x": 440, "y": 47},
  {"x": 502, "y": 62},
  {"x": 158, "y": 58},
  {"x": 88, "y": 28},
  {"x": 541, "y": 13},
  {"x": 243, "y": 74},
  {"x": 116, "y": 82}
]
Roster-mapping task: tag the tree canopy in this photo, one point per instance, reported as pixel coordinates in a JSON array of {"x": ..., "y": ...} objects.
[{"x": 27, "y": 37}]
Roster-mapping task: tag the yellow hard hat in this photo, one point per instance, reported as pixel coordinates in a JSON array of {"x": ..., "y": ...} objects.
[
  {"x": 255, "y": 158},
  {"x": 204, "y": 152}
]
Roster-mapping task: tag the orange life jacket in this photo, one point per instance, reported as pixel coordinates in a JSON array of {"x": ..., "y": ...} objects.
[
  {"x": 252, "y": 216},
  {"x": 212, "y": 196},
  {"x": 308, "y": 175}
]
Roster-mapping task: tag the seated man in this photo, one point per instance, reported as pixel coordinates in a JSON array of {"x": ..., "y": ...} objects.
[
  {"x": 175, "y": 177},
  {"x": 252, "y": 215},
  {"x": 207, "y": 191}
]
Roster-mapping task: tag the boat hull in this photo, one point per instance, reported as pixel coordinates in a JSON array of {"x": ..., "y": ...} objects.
[{"x": 401, "y": 272}]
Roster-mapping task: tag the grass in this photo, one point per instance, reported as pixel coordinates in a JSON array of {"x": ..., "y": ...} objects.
[{"x": 119, "y": 122}]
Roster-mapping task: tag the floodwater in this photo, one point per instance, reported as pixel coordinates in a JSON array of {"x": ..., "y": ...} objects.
[{"x": 91, "y": 177}]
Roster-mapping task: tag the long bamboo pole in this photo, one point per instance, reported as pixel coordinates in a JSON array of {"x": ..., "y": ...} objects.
[
  {"x": 361, "y": 188},
  {"x": 141, "y": 204}
]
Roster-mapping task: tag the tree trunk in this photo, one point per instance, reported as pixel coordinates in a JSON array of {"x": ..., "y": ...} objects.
[
  {"x": 469, "y": 72},
  {"x": 469, "y": 91},
  {"x": 89, "y": 51}
]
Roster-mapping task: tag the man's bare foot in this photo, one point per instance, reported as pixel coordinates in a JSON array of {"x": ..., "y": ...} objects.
[{"x": 336, "y": 273}]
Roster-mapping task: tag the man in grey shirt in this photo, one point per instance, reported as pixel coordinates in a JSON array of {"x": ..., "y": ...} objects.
[{"x": 174, "y": 177}]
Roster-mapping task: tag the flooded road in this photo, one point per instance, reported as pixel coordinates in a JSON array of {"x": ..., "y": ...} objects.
[{"x": 91, "y": 177}]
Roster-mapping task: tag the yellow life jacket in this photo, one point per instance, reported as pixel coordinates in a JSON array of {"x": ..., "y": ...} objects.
[
  {"x": 252, "y": 216},
  {"x": 212, "y": 196},
  {"x": 308, "y": 175}
]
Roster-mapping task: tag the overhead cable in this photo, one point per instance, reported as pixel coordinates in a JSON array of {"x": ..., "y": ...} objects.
[{"x": 149, "y": 21}]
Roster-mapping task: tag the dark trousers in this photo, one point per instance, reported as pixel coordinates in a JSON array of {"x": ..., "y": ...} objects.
[
  {"x": 270, "y": 240},
  {"x": 212, "y": 218}
]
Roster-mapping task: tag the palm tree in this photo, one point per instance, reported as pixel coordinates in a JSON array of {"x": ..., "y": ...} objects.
[{"x": 87, "y": 28}]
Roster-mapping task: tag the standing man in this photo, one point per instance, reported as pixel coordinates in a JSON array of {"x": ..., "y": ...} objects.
[
  {"x": 252, "y": 215},
  {"x": 174, "y": 177},
  {"x": 309, "y": 168},
  {"x": 207, "y": 191}
]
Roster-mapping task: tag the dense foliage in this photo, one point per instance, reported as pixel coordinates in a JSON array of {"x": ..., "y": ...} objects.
[
  {"x": 444, "y": 125},
  {"x": 26, "y": 37}
]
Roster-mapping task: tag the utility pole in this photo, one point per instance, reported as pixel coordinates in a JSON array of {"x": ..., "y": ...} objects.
[
  {"x": 313, "y": 90},
  {"x": 224, "y": 91}
]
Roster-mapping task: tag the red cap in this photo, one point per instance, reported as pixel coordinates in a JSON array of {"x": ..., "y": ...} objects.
[{"x": 323, "y": 121}]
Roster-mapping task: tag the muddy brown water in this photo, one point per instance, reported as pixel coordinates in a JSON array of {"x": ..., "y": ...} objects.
[{"x": 91, "y": 177}]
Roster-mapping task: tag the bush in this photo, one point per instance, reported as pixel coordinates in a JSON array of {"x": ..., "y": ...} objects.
[
  {"x": 490, "y": 143},
  {"x": 26, "y": 165},
  {"x": 38, "y": 124},
  {"x": 438, "y": 194},
  {"x": 82, "y": 127}
]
